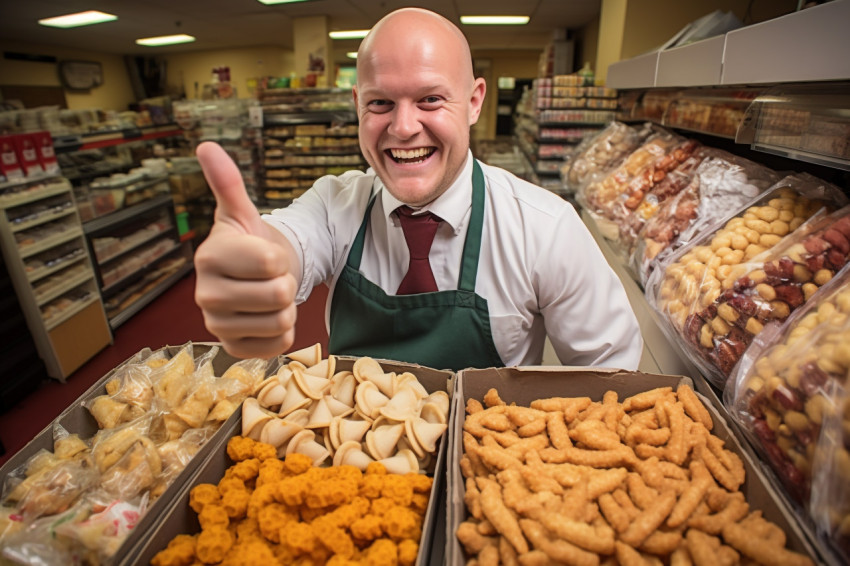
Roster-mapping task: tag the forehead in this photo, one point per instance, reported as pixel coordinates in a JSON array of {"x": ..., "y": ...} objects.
[{"x": 408, "y": 68}]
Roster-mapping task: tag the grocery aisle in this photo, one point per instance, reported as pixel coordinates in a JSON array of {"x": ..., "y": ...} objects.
[{"x": 172, "y": 319}]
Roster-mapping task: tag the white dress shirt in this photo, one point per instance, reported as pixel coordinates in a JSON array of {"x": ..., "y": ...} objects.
[{"x": 539, "y": 268}]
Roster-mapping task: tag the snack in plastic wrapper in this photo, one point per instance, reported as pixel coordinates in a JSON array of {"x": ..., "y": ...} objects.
[
  {"x": 600, "y": 152},
  {"x": 790, "y": 395},
  {"x": 719, "y": 292},
  {"x": 722, "y": 184}
]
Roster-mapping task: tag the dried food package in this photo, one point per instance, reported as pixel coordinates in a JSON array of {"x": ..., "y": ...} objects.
[
  {"x": 790, "y": 396},
  {"x": 723, "y": 183},
  {"x": 718, "y": 292},
  {"x": 600, "y": 152},
  {"x": 606, "y": 194}
]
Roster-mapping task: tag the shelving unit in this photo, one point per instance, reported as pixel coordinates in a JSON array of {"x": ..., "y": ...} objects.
[
  {"x": 138, "y": 254},
  {"x": 307, "y": 133},
  {"x": 556, "y": 118},
  {"x": 49, "y": 266}
]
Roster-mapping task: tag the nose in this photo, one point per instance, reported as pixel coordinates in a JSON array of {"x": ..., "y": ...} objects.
[{"x": 405, "y": 121}]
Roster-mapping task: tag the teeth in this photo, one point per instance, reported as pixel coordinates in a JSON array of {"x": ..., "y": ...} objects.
[{"x": 410, "y": 153}]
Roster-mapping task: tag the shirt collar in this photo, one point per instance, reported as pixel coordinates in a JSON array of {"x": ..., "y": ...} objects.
[{"x": 452, "y": 206}]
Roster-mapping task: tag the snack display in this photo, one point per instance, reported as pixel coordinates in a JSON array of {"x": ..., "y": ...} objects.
[
  {"x": 155, "y": 413},
  {"x": 701, "y": 293},
  {"x": 722, "y": 184},
  {"x": 640, "y": 480},
  {"x": 613, "y": 194},
  {"x": 600, "y": 152},
  {"x": 790, "y": 395},
  {"x": 347, "y": 417},
  {"x": 270, "y": 511},
  {"x": 719, "y": 293}
]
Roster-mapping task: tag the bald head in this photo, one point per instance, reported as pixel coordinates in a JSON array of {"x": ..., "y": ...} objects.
[{"x": 416, "y": 32}]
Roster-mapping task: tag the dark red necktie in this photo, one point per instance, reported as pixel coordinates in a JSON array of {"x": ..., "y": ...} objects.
[{"x": 419, "y": 232}]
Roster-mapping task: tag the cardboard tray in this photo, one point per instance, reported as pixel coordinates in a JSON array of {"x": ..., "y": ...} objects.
[
  {"x": 76, "y": 419},
  {"x": 179, "y": 518},
  {"x": 523, "y": 385}
]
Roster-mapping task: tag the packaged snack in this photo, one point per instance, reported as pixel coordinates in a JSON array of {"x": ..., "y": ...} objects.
[
  {"x": 790, "y": 396},
  {"x": 719, "y": 291},
  {"x": 723, "y": 183},
  {"x": 601, "y": 151}
]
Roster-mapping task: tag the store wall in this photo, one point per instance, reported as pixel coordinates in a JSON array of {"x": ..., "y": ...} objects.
[
  {"x": 189, "y": 72},
  {"x": 115, "y": 93},
  {"x": 495, "y": 63}
]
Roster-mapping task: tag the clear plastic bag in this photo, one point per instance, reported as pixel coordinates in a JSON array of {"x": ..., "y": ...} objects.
[
  {"x": 719, "y": 291},
  {"x": 601, "y": 151},
  {"x": 722, "y": 184},
  {"x": 789, "y": 393}
]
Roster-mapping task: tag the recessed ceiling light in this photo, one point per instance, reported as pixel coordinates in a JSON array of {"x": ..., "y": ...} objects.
[
  {"x": 351, "y": 54},
  {"x": 494, "y": 20},
  {"x": 166, "y": 40},
  {"x": 79, "y": 19},
  {"x": 269, "y": 2},
  {"x": 349, "y": 34}
]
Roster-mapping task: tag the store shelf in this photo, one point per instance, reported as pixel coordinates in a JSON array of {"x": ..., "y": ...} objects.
[
  {"x": 123, "y": 215},
  {"x": 112, "y": 287},
  {"x": 804, "y": 46},
  {"x": 16, "y": 199},
  {"x": 51, "y": 242},
  {"x": 146, "y": 299},
  {"x": 69, "y": 313},
  {"x": 66, "y": 286},
  {"x": 47, "y": 217},
  {"x": 96, "y": 140},
  {"x": 34, "y": 276},
  {"x": 331, "y": 116}
]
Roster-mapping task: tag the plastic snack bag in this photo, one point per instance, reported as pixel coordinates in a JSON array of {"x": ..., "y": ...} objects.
[
  {"x": 601, "y": 152},
  {"x": 714, "y": 292},
  {"x": 723, "y": 183},
  {"x": 790, "y": 395}
]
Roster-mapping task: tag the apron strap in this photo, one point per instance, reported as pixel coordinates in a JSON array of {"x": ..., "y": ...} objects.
[{"x": 356, "y": 252}]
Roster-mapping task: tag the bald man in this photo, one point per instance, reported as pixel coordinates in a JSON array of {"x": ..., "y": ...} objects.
[{"x": 505, "y": 263}]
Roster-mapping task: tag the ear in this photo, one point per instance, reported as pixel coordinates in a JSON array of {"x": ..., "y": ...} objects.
[
  {"x": 356, "y": 105},
  {"x": 476, "y": 100}
]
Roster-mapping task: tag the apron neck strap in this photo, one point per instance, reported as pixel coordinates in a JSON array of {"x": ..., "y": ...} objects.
[{"x": 471, "y": 246}]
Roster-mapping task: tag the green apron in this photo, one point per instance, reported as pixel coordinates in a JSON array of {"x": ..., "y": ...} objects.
[{"x": 442, "y": 330}]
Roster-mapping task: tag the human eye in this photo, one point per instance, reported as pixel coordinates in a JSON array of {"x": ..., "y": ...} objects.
[
  {"x": 431, "y": 102},
  {"x": 379, "y": 105}
]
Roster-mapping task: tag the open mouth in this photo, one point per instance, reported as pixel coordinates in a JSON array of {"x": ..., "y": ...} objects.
[{"x": 407, "y": 156}]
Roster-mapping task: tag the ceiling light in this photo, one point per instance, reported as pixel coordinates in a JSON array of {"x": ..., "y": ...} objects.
[
  {"x": 269, "y": 2},
  {"x": 165, "y": 40},
  {"x": 79, "y": 19},
  {"x": 351, "y": 54},
  {"x": 349, "y": 34},
  {"x": 494, "y": 20}
]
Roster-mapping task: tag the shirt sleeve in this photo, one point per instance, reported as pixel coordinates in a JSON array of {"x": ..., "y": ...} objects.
[
  {"x": 321, "y": 223},
  {"x": 586, "y": 311}
]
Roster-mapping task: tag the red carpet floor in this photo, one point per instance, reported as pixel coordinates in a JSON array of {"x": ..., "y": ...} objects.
[{"x": 171, "y": 319}]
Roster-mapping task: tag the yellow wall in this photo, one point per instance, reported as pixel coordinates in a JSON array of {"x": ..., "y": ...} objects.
[
  {"x": 520, "y": 64},
  {"x": 187, "y": 69},
  {"x": 115, "y": 93}
]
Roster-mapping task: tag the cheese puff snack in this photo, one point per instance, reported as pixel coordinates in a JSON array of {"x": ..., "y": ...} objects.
[
  {"x": 637, "y": 481},
  {"x": 301, "y": 514},
  {"x": 180, "y": 552}
]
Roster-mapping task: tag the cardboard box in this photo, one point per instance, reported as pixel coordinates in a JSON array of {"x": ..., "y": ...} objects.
[
  {"x": 180, "y": 519},
  {"x": 77, "y": 419},
  {"x": 10, "y": 167},
  {"x": 25, "y": 146},
  {"x": 523, "y": 385}
]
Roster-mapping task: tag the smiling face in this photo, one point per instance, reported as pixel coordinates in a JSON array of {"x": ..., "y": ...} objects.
[{"x": 416, "y": 99}]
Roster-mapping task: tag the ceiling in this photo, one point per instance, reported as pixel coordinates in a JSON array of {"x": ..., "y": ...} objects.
[{"x": 226, "y": 24}]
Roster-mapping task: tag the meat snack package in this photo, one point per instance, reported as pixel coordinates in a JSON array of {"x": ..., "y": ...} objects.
[
  {"x": 790, "y": 395},
  {"x": 591, "y": 466},
  {"x": 719, "y": 291},
  {"x": 91, "y": 485},
  {"x": 602, "y": 151},
  {"x": 723, "y": 183},
  {"x": 606, "y": 193},
  {"x": 336, "y": 460}
]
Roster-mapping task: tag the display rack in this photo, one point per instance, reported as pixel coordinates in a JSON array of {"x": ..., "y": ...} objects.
[
  {"x": 307, "y": 133},
  {"x": 50, "y": 268}
]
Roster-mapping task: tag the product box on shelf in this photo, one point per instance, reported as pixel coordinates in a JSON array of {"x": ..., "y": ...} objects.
[
  {"x": 179, "y": 518},
  {"x": 10, "y": 167},
  {"x": 521, "y": 387},
  {"x": 187, "y": 186},
  {"x": 63, "y": 504}
]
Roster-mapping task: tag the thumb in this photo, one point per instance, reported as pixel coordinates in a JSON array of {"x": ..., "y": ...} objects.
[{"x": 225, "y": 180}]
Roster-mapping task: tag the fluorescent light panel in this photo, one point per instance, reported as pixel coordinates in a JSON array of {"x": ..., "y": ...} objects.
[
  {"x": 494, "y": 20},
  {"x": 165, "y": 40},
  {"x": 270, "y": 2},
  {"x": 349, "y": 34},
  {"x": 351, "y": 54},
  {"x": 78, "y": 19}
]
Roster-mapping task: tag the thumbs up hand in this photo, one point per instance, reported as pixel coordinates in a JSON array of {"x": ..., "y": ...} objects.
[{"x": 246, "y": 271}]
